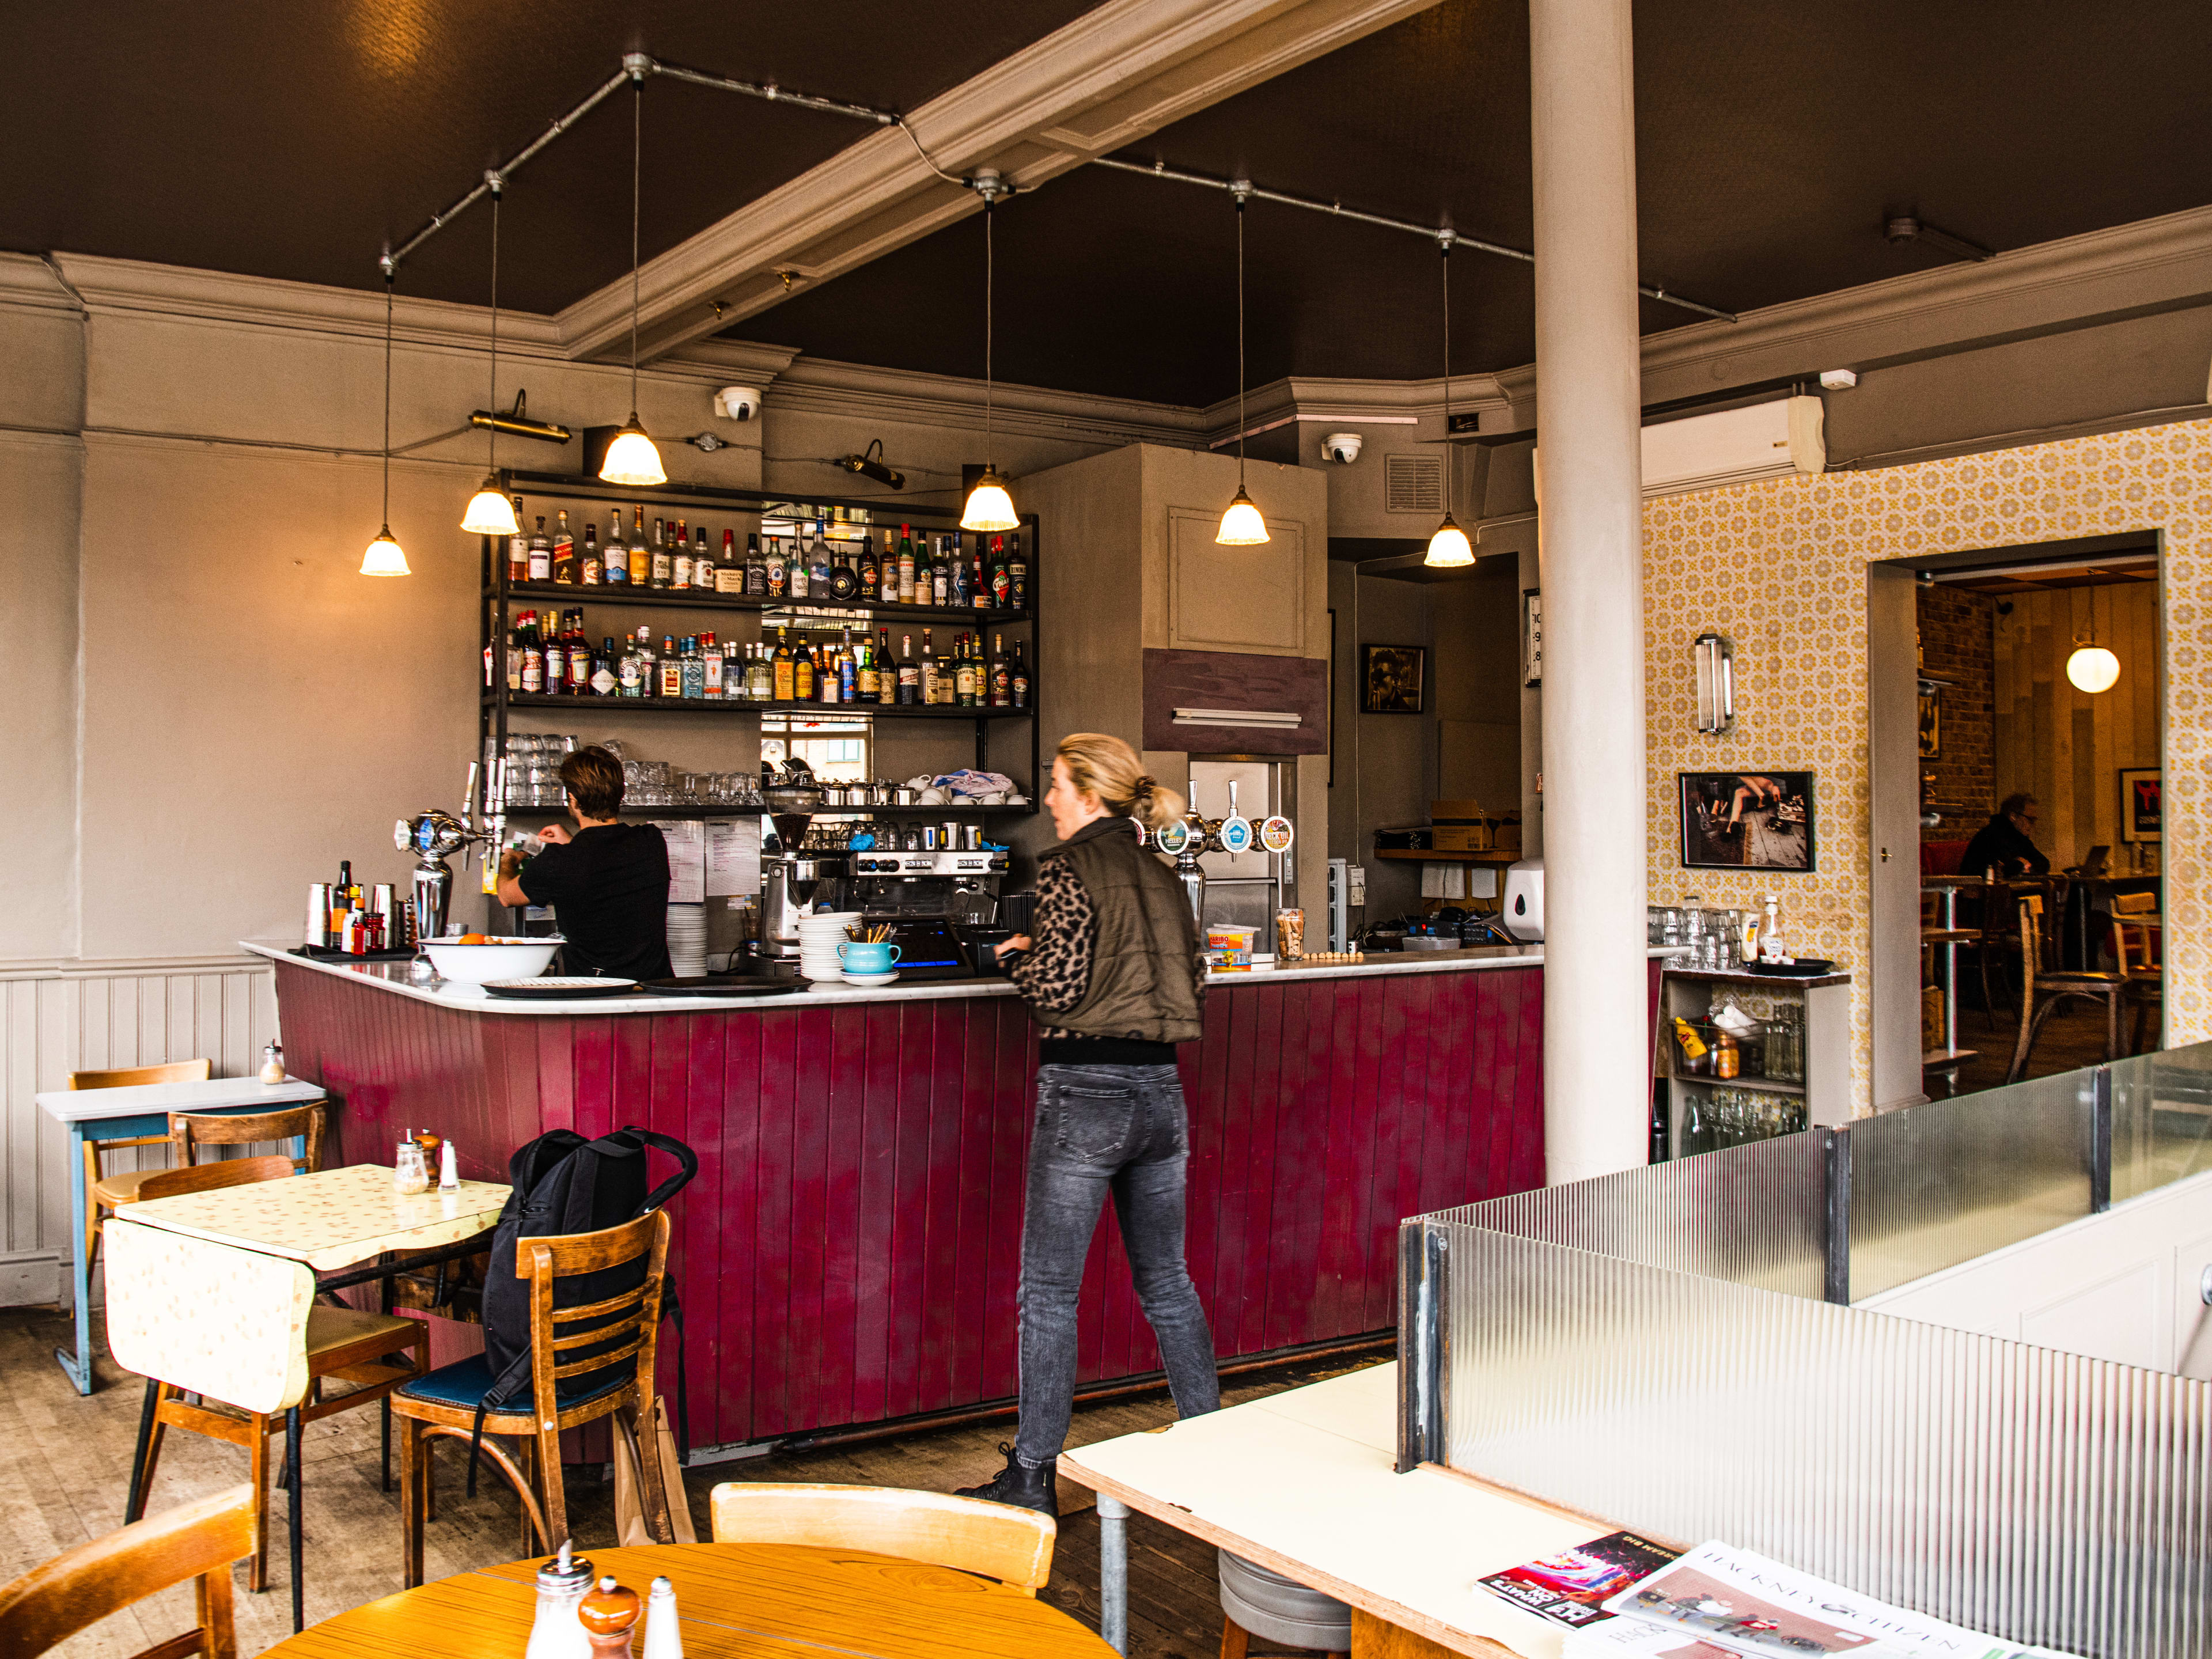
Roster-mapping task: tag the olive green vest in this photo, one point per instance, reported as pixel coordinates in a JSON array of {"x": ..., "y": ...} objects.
[{"x": 1145, "y": 978}]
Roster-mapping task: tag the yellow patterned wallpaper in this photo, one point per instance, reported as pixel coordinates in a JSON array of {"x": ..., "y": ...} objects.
[{"x": 1780, "y": 568}]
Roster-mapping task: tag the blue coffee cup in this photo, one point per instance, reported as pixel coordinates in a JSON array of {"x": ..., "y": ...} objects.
[{"x": 867, "y": 957}]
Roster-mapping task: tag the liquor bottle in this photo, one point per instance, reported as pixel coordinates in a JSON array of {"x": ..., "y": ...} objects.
[
  {"x": 514, "y": 660},
  {"x": 869, "y": 573},
  {"x": 868, "y": 684},
  {"x": 963, "y": 676},
  {"x": 614, "y": 558},
  {"x": 910, "y": 673},
  {"x": 925, "y": 676},
  {"x": 541, "y": 554},
  {"x": 844, "y": 581},
  {"x": 906, "y": 565},
  {"x": 1020, "y": 676},
  {"x": 940, "y": 578},
  {"x": 671, "y": 667},
  {"x": 640, "y": 552},
  {"x": 798, "y": 579},
  {"x": 778, "y": 574},
  {"x": 564, "y": 549},
  {"x": 729, "y": 576},
  {"x": 580, "y": 663},
  {"x": 756, "y": 566},
  {"x": 1002, "y": 581},
  {"x": 848, "y": 671},
  {"x": 606, "y": 672},
  {"x": 656, "y": 560},
  {"x": 979, "y": 585},
  {"x": 517, "y": 548},
  {"x": 630, "y": 671},
  {"x": 783, "y": 668},
  {"x": 714, "y": 666},
  {"x": 533, "y": 655},
  {"x": 692, "y": 681},
  {"x": 887, "y": 571},
  {"x": 553, "y": 660},
  {"x": 1018, "y": 576},
  {"x": 961, "y": 597},
  {"x": 760, "y": 675},
  {"x": 649, "y": 662},
  {"x": 679, "y": 563},
  {"x": 802, "y": 674},
  {"x": 819, "y": 581},
  {"x": 703, "y": 561},
  {"x": 1002, "y": 678},
  {"x": 588, "y": 568}
]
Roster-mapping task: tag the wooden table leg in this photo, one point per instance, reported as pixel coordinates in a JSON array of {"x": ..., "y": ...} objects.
[
  {"x": 132, "y": 1509},
  {"x": 292, "y": 1486},
  {"x": 1114, "y": 1572}
]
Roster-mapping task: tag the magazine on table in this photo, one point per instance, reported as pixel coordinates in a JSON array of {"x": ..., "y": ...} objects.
[{"x": 1566, "y": 1588}]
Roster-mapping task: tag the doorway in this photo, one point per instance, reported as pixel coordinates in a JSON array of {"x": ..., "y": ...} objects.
[{"x": 1979, "y": 699}]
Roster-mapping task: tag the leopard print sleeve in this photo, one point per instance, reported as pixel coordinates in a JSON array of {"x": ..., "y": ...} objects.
[{"x": 1056, "y": 972}]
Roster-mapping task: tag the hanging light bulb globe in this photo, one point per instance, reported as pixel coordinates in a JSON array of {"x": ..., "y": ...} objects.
[
  {"x": 2093, "y": 668},
  {"x": 989, "y": 507},
  {"x": 491, "y": 512},
  {"x": 1241, "y": 525},
  {"x": 1449, "y": 547},
  {"x": 631, "y": 458},
  {"x": 384, "y": 556}
]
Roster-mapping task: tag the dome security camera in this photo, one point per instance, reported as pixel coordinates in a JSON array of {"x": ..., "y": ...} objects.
[
  {"x": 737, "y": 402},
  {"x": 1343, "y": 446}
]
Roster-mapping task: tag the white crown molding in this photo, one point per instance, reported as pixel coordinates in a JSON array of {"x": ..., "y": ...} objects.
[
  {"x": 822, "y": 385},
  {"x": 1393, "y": 402},
  {"x": 1125, "y": 68},
  {"x": 29, "y": 283}
]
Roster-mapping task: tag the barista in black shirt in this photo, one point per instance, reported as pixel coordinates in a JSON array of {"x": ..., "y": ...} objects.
[
  {"x": 608, "y": 882},
  {"x": 2004, "y": 844}
]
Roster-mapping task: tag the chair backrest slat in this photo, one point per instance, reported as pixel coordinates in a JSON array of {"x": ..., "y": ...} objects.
[
  {"x": 626, "y": 1303},
  {"x": 600, "y": 1362},
  {"x": 191, "y": 1130},
  {"x": 543, "y": 1262},
  {"x": 80, "y": 1587},
  {"x": 998, "y": 1541},
  {"x": 209, "y": 1177},
  {"x": 132, "y": 1077}
]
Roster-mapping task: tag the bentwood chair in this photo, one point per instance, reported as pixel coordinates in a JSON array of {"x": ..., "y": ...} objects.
[
  {"x": 2044, "y": 988},
  {"x": 344, "y": 1345},
  {"x": 587, "y": 1361},
  {"x": 107, "y": 1191},
  {"x": 998, "y": 1541},
  {"x": 80, "y": 1587},
  {"x": 2136, "y": 951},
  {"x": 194, "y": 1130}
]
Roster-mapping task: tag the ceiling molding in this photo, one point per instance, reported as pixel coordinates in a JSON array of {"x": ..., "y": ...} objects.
[
  {"x": 29, "y": 283},
  {"x": 2075, "y": 283},
  {"x": 1128, "y": 68},
  {"x": 822, "y": 386}
]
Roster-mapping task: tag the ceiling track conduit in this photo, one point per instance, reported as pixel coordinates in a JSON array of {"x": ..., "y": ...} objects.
[{"x": 637, "y": 65}]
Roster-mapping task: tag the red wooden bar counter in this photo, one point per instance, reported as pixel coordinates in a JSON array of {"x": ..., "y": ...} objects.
[{"x": 848, "y": 1252}]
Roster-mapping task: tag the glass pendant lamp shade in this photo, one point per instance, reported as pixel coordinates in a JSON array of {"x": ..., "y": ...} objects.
[
  {"x": 385, "y": 557},
  {"x": 631, "y": 458},
  {"x": 1240, "y": 524},
  {"x": 491, "y": 512},
  {"x": 989, "y": 507},
  {"x": 2093, "y": 668},
  {"x": 1448, "y": 546}
]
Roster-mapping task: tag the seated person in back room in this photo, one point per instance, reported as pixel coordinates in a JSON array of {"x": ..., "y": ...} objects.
[
  {"x": 2005, "y": 844},
  {"x": 608, "y": 883}
]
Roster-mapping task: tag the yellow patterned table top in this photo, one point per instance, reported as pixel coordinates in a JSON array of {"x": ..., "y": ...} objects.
[{"x": 330, "y": 1218}]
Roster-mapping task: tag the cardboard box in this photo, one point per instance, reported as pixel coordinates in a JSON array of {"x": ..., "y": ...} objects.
[
  {"x": 1462, "y": 837},
  {"x": 1458, "y": 812}
]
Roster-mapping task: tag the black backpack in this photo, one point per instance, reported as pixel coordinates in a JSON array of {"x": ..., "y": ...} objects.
[{"x": 563, "y": 1183}]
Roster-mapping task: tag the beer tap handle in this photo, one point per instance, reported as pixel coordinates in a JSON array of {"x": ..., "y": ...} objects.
[{"x": 469, "y": 799}]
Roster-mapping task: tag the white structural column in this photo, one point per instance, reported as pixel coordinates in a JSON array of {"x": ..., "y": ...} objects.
[{"x": 1597, "y": 1068}]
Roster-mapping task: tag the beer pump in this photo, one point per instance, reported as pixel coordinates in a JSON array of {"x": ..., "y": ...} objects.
[{"x": 435, "y": 834}]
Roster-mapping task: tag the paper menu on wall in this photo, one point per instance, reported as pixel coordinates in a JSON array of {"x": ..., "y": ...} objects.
[
  {"x": 733, "y": 858},
  {"x": 687, "y": 860}
]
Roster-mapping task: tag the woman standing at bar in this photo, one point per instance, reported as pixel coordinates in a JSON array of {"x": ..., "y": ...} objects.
[{"x": 1114, "y": 975}]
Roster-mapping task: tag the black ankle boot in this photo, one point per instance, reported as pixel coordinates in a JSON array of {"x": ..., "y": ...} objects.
[{"x": 1030, "y": 1486}]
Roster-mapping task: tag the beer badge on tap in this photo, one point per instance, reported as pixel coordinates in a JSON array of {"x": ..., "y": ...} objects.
[
  {"x": 1276, "y": 834},
  {"x": 1171, "y": 837},
  {"x": 1235, "y": 833}
]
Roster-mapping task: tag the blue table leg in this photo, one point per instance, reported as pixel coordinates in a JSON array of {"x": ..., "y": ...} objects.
[{"x": 78, "y": 1366}]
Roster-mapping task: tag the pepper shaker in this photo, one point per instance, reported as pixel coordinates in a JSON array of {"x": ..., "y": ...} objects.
[{"x": 608, "y": 1615}]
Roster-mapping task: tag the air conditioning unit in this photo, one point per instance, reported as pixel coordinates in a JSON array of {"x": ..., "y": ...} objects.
[{"x": 1734, "y": 445}]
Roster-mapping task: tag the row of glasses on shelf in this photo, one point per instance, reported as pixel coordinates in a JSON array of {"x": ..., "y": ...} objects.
[
  {"x": 1710, "y": 939},
  {"x": 1715, "y": 1118},
  {"x": 533, "y": 777}
]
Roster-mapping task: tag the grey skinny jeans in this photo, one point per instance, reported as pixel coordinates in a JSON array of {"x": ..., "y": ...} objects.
[{"x": 1101, "y": 1128}]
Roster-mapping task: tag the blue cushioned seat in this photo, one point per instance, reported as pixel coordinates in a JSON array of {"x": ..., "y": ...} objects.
[{"x": 465, "y": 1382}]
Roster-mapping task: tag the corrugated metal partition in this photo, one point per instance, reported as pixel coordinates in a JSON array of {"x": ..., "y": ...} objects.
[{"x": 61, "y": 1018}]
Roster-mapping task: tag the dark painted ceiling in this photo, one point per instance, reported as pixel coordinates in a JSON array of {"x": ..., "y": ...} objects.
[
  {"x": 293, "y": 138},
  {"x": 1772, "y": 143}
]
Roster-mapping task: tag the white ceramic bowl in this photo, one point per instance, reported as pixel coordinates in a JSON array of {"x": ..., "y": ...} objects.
[{"x": 498, "y": 959}]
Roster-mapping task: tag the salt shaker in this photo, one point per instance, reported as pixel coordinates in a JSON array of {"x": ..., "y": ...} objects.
[
  {"x": 663, "y": 1639},
  {"x": 556, "y": 1632},
  {"x": 608, "y": 1615},
  {"x": 272, "y": 1063},
  {"x": 449, "y": 1174}
]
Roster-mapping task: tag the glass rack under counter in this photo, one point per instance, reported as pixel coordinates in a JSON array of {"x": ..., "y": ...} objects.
[{"x": 1746, "y": 1056}]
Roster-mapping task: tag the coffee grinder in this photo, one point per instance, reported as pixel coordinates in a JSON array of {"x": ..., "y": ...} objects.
[{"x": 788, "y": 878}]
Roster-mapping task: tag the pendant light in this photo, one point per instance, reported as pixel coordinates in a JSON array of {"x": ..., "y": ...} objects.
[
  {"x": 384, "y": 556},
  {"x": 490, "y": 514},
  {"x": 1449, "y": 546},
  {"x": 988, "y": 506},
  {"x": 631, "y": 458},
  {"x": 1241, "y": 525},
  {"x": 2092, "y": 668}
]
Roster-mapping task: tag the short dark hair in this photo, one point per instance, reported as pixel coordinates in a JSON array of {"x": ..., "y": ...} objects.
[
  {"x": 2012, "y": 804},
  {"x": 594, "y": 777}
]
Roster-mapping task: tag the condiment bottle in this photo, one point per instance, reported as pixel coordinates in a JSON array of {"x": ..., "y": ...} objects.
[
  {"x": 409, "y": 1173},
  {"x": 663, "y": 1639},
  {"x": 609, "y": 1613},
  {"x": 556, "y": 1632},
  {"x": 1728, "y": 1059},
  {"x": 449, "y": 1174},
  {"x": 272, "y": 1063}
]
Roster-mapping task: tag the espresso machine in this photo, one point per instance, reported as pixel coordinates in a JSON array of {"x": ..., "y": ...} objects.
[{"x": 941, "y": 905}]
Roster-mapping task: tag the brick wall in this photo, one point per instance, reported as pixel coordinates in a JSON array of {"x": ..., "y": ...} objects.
[{"x": 1958, "y": 633}]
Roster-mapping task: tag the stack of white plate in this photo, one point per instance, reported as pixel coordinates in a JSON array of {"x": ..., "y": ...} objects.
[
  {"x": 687, "y": 940},
  {"x": 820, "y": 936}
]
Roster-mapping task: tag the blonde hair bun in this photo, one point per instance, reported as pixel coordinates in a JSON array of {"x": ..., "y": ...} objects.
[{"x": 1103, "y": 765}]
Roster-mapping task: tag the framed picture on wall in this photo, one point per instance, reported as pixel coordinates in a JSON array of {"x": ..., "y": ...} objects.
[
  {"x": 1532, "y": 636},
  {"x": 1747, "y": 820},
  {"x": 1931, "y": 720},
  {"x": 1392, "y": 678},
  {"x": 2142, "y": 804}
]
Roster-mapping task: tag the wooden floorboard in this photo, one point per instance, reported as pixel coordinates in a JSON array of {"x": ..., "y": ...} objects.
[{"x": 64, "y": 1461}]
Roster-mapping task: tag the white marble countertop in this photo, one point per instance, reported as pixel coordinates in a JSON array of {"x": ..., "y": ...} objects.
[{"x": 392, "y": 977}]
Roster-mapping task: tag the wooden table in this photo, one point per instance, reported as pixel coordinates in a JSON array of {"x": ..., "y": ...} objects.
[
  {"x": 123, "y": 1114},
  {"x": 1303, "y": 1483},
  {"x": 209, "y": 1291},
  {"x": 735, "y": 1601}
]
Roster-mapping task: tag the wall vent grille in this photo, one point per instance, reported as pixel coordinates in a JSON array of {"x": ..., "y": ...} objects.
[{"x": 1412, "y": 483}]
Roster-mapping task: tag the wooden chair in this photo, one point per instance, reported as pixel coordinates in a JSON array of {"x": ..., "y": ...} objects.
[
  {"x": 2137, "y": 952},
  {"x": 194, "y": 1130},
  {"x": 2043, "y": 989},
  {"x": 122, "y": 1186},
  {"x": 612, "y": 1342},
  {"x": 344, "y": 1345},
  {"x": 999, "y": 1540},
  {"x": 80, "y": 1587}
]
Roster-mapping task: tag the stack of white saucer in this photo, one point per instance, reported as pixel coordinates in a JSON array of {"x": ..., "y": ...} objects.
[
  {"x": 687, "y": 940},
  {"x": 820, "y": 936}
]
